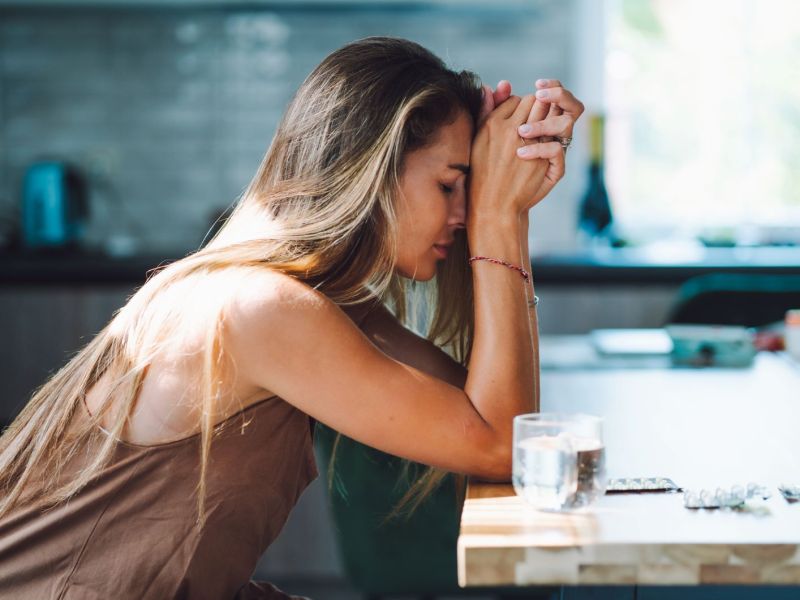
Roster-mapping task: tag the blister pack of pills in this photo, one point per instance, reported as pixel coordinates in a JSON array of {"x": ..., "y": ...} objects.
[
  {"x": 790, "y": 491},
  {"x": 733, "y": 497},
  {"x": 637, "y": 485}
]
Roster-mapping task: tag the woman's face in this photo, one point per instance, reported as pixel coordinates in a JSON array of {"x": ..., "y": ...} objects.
[{"x": 432, "y": 199}]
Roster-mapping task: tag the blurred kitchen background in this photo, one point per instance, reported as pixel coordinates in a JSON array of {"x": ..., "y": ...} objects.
[{"x": 142, "y": 121}]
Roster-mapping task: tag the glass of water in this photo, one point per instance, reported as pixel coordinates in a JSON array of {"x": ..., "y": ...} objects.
[
  {"x": 544, "y": 469},
  {"x": 586, "y": 432},
  {"x": 559, "y": 460}
]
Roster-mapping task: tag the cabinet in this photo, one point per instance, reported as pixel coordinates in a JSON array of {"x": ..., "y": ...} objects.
[{"x": 42, "y": 327}]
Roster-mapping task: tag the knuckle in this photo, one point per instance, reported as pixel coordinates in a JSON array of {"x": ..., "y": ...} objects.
[
  {"x": 545, "y": 126},
  {"x": 510, "y": 105},
  {"x": 492, "y": 119},
  {"x": 537, "y": 130}
]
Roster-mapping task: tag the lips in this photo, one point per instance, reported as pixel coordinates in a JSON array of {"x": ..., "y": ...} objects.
[{"x": 441, "y": 250}]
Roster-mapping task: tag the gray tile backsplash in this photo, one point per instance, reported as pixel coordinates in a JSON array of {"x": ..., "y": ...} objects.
[{"x": 169, "y": 111}]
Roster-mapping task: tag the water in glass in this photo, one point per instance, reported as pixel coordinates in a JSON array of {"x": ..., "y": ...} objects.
[
  {"x": 591, "y": 458},
  {"x": 544, "y": 471}
]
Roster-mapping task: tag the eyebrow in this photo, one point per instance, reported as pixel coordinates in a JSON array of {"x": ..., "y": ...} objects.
[{"x": 459, "y": 167}]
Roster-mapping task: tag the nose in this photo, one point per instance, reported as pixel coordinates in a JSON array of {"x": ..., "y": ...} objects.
[{"x": 457, "y": 219}]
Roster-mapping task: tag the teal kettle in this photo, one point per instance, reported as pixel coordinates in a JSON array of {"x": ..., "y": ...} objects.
[{"x": 54, "y": 205}]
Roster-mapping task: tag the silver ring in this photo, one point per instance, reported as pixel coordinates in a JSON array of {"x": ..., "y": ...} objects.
[{"x": 565, "y": 142}]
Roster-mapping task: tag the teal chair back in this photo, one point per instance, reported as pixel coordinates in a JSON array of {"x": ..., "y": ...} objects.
[
  {"x": 415, "y": 555},
  {"x": 407, "y": 555}
]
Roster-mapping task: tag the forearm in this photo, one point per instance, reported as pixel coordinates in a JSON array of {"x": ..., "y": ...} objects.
[
  {"x": 532, "y": 315},
  {"x": 500, "y": 380}
]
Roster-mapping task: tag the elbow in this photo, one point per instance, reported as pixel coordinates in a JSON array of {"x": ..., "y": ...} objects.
[
  {"x": 497, "y": 458},
  {"x": 488, "y": 449}
]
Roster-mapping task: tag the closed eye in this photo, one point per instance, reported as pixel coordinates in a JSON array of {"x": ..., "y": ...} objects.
[{"x": 446, "y": 188}]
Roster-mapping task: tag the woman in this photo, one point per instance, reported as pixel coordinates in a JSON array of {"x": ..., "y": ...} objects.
[{"x": 164, "y": 457}]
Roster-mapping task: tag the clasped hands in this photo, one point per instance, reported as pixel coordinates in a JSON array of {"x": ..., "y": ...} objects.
[{"x": 553, "y": 115}]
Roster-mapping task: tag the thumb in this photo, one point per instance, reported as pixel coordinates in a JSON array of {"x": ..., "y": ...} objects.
[{"x": 487, "y": 104}]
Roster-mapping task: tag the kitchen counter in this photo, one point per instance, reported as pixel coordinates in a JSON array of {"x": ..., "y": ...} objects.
[
  {"x": 78, "y": 268},
  {"x": 699, "y": 427},
  {"x": 603, "y": 266},
  {"x": 661, "y": 264}
]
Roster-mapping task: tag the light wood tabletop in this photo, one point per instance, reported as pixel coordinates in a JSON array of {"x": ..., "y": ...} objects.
[{"x": 703, "y": 428}]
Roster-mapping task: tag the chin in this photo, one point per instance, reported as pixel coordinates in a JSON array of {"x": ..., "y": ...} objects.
[{"x": 425, "y": 273}]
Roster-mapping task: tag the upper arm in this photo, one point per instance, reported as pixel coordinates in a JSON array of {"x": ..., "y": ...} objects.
[
  {"x": 296, "y": 343},
  {"x": 384, "y": 330}
]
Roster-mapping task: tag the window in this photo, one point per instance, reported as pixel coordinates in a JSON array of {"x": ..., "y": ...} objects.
[{"x": 703, "y": 117}]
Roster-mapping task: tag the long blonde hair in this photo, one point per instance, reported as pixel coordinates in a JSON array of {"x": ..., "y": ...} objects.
[{"x": 320, "y": 208}]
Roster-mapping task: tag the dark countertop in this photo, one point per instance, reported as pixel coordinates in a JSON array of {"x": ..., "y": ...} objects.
[
  {"x": 78, "y": 268},
  {"x": 634, "y": 266},
  {"x": 631, "y": 266}
]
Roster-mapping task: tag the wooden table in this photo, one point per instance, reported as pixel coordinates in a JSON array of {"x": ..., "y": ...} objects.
[{"x": 701, "y": 427}]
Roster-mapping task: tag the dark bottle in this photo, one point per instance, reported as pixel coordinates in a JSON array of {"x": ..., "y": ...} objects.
[{"x": 594, "y": 216}]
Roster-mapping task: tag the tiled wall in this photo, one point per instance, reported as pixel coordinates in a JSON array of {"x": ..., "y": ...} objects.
[{"x": 171, "y": 110}]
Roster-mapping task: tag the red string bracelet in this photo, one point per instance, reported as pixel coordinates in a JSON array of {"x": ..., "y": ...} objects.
[{"x": 525, "y": 275}]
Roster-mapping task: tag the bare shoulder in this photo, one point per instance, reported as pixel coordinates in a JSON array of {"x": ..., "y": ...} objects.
[
  {"x": 273, "y": 312},
  {"x": 264, "y": 292},
  {"x": 274, "y": 321}
]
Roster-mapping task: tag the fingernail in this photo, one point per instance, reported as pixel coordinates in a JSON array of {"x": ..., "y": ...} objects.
[
  {"x": 542, "y": 94},
  {"x": 525, "y": 128},
  {"x": 522, "y": 151},
  {"x": 542, "y": 82}
]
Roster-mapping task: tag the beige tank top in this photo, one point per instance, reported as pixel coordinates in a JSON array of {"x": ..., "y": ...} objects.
[{"x": 131, "y": 533}]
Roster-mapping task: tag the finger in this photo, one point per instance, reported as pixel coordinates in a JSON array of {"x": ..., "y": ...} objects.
[
  {"x": 564, "y": 98},
  {"x": 542, "y": 110},
  {"x": 523, "y": 109},
  {"x": 555, "y": 168},
  {"x": 547, "y": 83},
  {"x": 502, "y": 92},
  {"x": 487, "y": 103},
  {"x": 560, "y": 126},
  {"x": 507, "y": 108},
  {"x": 555, "y": 110},
  {"x": 548, "y": 150},
  {"x": 552, "y": 153},
  {"x": 538, "y": 112},
  {"x": 561, "y": 101}
]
